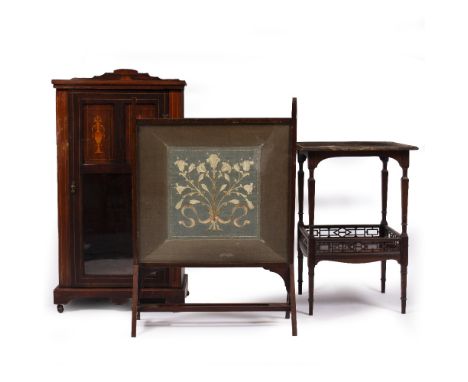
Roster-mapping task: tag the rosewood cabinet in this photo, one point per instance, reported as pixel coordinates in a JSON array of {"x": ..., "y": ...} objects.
[{"x": 95, "y": 137}]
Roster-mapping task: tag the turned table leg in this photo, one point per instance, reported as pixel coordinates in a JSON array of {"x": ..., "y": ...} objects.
[
  {"x": 300, "y": 256},
  {"x": 383, "y": 222},
  {"x": 312, "y": 164},
  {"x": 292, "y": 300},
  {"x": 311, "y": 267},
  {"x": 300, "y": 269},
  {"x": 404, "y": 234},
  {"x": 404, "y": 277},
  {"x": 383, "y": 272}
]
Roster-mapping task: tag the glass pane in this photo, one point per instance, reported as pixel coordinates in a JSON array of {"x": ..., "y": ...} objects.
[{"x": 106, "y": 224}]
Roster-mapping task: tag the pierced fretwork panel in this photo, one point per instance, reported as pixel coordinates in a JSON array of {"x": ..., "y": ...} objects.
[
  {"x": 354, "y": 239},
  {"x": 358, "y": 247},
  {"x": 347, "y": 231}
]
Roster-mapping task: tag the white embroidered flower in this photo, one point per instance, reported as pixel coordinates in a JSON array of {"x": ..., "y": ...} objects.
[
  {"x": 201, "y": 167},
  {"x": 246, "y": 164},
  {"x": 180, "y": 163},
  {"x": 224, "y": 193},
  {"x": 248, "y": 188},
  {"x": 213, "y": 160},
  {"x": 226, "y": 167},
  {"x": 180, "y": 189}
]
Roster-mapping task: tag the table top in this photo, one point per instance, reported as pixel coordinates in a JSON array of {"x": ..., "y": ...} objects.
[{"x": 351, "y": 146}]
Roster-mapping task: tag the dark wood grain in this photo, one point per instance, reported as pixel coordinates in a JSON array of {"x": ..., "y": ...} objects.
[
  {"x": 146, "y": 110},
  {"x": 176, "y": 104},
  {"x": 214, "y": 307},
  {"x": 361, "y": 243},
  {"x": 63, "y": 295},
  {"x": 284, "y": 269},
  {"x": 99, "y": 134},
  {"x": 383, "y": 222},
  {"x": 83, "y": 104},
  {"x": 300, "y": 182},
  {"x": 126, "y": 79},
  {"x": 404, "y": 235},
  {"x": 311, "y": 260},
  {"x": 353, "y": 146},
  {"x": 64, "y": 183}
]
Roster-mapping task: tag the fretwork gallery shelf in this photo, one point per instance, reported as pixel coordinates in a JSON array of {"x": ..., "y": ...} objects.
[{"x": 358, "y": 243}]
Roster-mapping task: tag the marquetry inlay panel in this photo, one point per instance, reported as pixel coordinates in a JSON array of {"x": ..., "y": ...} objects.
[{"x": 99, "y": 134}]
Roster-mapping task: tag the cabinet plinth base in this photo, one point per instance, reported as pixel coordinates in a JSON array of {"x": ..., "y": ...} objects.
[{"x": 165, "y": 295}]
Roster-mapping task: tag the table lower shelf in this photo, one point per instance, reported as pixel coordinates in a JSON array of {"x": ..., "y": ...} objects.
[{"x": 350, "y": 242}]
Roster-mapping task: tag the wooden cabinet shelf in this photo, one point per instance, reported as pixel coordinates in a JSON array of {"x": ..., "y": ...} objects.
[{"x": 109, "y": 168}]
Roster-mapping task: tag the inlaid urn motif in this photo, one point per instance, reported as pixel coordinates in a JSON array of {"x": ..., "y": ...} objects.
[{"x": 99, "y": 133}]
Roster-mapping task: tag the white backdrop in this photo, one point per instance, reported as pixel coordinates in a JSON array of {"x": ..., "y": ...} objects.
[{"x": 362, "y": 70}]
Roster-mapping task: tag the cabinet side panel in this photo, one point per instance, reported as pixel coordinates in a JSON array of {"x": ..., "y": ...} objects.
[
  {"x": 63, "y": 192},
  {"x": 176, "y": 104}
]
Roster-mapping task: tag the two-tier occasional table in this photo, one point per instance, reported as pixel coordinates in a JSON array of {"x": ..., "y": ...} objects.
[{"x": 361, "y": 243}]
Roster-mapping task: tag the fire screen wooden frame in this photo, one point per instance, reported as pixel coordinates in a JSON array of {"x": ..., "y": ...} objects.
[{"x": 214, "y": 193}]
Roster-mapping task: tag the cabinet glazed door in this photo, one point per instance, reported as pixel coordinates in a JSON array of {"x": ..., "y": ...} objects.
[{"x": 103, "y": 146}]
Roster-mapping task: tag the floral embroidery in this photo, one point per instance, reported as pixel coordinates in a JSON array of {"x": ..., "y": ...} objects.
[{"x": 215, "y": 192}]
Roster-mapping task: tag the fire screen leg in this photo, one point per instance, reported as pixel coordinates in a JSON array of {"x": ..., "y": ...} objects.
[
  {"x": 135, "y": 295},
  {"x": 292, "y": 300}
]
